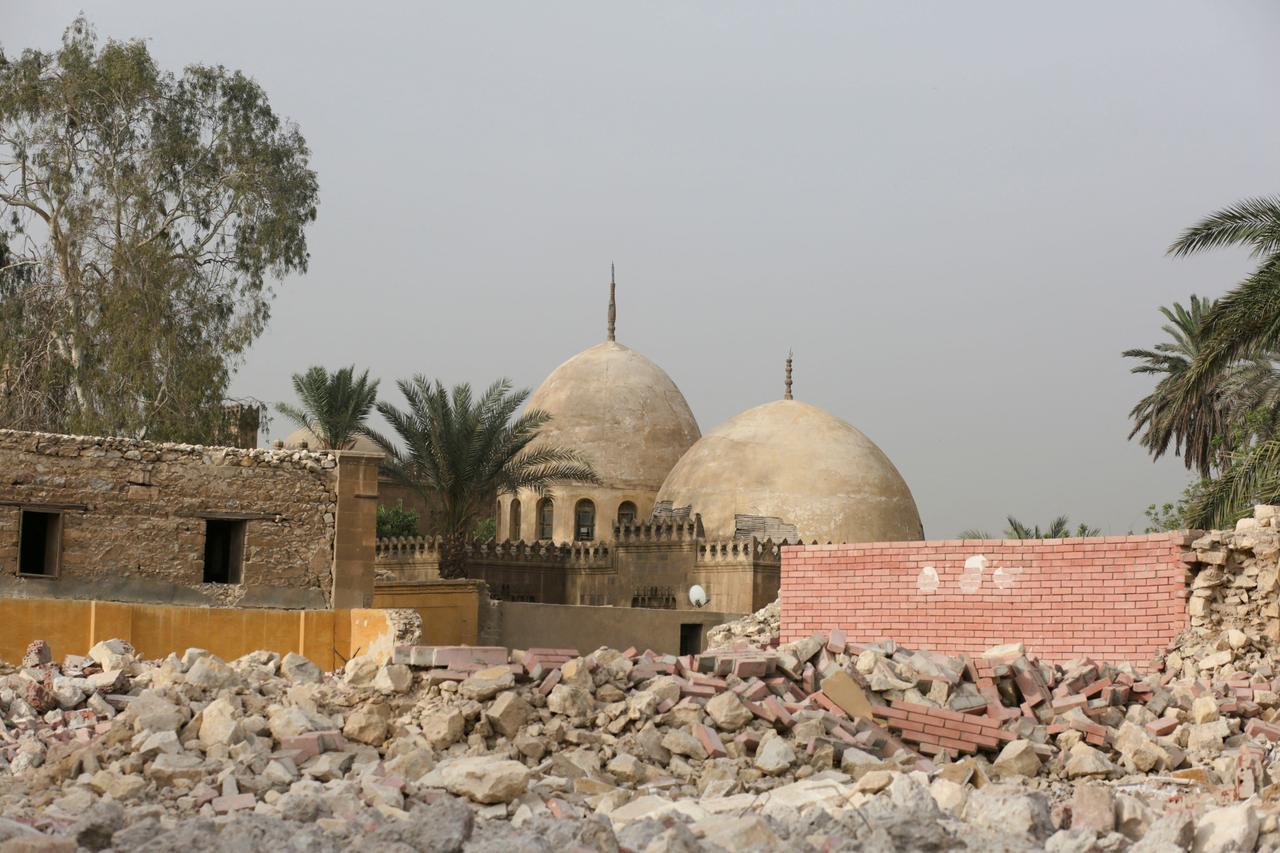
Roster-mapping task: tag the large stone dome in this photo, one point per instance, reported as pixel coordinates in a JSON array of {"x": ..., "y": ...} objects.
[
  {"x": 789, "y": 466},
  {"x": 621, "y": 411}
]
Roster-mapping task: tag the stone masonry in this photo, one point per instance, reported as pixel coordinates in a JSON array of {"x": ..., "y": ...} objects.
[{"x": 133, "y": 519}]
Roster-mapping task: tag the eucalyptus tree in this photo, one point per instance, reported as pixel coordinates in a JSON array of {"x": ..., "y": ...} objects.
[
  {"x": 149, "y": 213},
  {"x": 334, "y": 406},
  {"x": 460, "y": 452}
]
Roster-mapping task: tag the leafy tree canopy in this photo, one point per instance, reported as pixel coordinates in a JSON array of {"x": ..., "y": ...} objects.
[
  {"x": 396, "y": 521},
  {"x": 146, "y": 214}
]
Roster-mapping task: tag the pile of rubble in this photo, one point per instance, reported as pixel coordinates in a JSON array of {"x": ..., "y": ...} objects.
[
  {"x": 820, "y": 744},
  {"x": 760, "y": 629}
]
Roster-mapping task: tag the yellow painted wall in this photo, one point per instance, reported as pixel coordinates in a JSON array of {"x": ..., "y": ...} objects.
[
  {"x": 450, "y": 610},
  {"x": 326, "y": 637}
]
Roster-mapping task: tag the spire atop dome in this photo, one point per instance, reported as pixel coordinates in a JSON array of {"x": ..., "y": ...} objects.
[
  {"x": 787, "y": 394},
  {"x": 613, "y": 304}
]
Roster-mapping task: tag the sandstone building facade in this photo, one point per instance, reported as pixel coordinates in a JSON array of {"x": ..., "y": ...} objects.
[{"x": 114, "y": 518}]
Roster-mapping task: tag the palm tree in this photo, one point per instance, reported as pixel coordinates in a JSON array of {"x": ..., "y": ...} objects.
[
  {"x": 1249, "y": 477},
  {"x": 1247, "y": 319},
  {"x": 333, "y": 406},
  {"x": 1059, "y": 528},
  {"x": 1195, "y": 427},
  {"x": 462, "y": 452},
  {"x": 1241, "y": 402}
]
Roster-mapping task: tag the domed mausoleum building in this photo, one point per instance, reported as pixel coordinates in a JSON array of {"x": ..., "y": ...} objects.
[
  {"x": 790, "y": 471},
  {"x": 628, "y": 419},
  {"x": 673, "y": 508}
]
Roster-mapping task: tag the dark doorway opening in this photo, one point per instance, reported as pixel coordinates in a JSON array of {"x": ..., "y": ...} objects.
[
  {"x": 690, "y": 638},
  {"x": 40, "y": 543},
  {"x": 223, "y": 550}
]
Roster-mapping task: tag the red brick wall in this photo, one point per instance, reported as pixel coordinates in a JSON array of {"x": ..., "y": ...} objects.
[{"x": 1116, "y": 598}]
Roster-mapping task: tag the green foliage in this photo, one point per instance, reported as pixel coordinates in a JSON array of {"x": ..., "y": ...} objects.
[
  {"x": 1059, "y": 528},
  {"x": 1174, "y": 515},
  {"x": 147, "y": 213},
  {"x": 462, "y": 452},
  {"x": 1218, "y": 401},
  {"x": 485, "y": 529},
  {"x": 334, "y": 406},
  {"x": 396, "y": 521},
  {"x": 1246, "y": 321},
  {"x": 1241, "y": 402},
  {"x": 1249, "y": 477}
]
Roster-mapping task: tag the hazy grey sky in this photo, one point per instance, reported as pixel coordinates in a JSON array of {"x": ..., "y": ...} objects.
[{"x": 956, "y": 213}]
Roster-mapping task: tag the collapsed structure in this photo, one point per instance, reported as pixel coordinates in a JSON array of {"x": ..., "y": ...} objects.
[{"x": 821, "y": 743}]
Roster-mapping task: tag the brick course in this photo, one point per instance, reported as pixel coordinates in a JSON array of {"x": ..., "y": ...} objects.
[{"x": 1112, "y": 598}]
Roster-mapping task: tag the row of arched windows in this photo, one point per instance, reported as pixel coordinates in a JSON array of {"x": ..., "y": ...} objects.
[{"x": 584, "y": 519}]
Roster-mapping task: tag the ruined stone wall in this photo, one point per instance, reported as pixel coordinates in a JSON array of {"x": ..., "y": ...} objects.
[
  {"x": 1233, "y": 611},
  {"x": 1110, "y": 598},
  {"x": 134, "y": 517}
]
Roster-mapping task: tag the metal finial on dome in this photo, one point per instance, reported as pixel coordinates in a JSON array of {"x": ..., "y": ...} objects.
[
  {"x": 787, "y": 395},
  {"x": 613, "y": 304}
]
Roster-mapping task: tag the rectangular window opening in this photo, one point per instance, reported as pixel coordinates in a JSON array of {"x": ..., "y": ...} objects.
[
  {"x": 223, "y": 550},
  {"x": 39, "y": 543}
]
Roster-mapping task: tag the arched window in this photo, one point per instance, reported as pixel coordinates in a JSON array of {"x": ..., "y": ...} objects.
[
  {"x": 584, "y": 521},
  {"x": 546, "y": 515},
  {"x": 626, "y": 514},
  {"x": 513, "y": 522}
]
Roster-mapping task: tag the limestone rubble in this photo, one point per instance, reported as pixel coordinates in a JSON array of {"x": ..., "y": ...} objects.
[{"x": 821, "y": 744}]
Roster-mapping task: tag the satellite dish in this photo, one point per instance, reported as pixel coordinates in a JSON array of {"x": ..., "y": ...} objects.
[{"x": 697, "y": 596}]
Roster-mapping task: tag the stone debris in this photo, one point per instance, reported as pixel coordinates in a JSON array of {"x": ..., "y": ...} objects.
[
  {"x": 760, "y": 629},
  {"x": 822, "y": 744}
]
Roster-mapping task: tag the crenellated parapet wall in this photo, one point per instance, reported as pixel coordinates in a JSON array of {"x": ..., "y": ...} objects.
[
  {"x": 426, "y": 550},
  {"x": 750, "y": 551},
  {"x": 646, "y": 564},
  {"x": 659, "y": 530}
]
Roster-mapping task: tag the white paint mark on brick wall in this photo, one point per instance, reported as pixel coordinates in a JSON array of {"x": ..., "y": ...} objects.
[
  {"x": 1006, "y": 576},
  {"x": 928, "y": 580},
  {"x": 971, "y": 577}
]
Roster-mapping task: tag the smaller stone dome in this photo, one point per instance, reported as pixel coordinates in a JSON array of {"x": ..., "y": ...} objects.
[
  {"x": 361, "y": 442},
  {"x": 788, "y": 469}
]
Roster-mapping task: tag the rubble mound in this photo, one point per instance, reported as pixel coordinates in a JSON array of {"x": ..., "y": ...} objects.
[
  {"x": 820, "y": 744},
  {"x": 760, "y": 629}
]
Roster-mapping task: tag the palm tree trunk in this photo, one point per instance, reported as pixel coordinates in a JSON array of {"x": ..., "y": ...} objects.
[{"x": 453, "y": 557}]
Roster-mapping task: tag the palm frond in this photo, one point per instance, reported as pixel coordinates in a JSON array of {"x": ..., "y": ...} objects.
[
  {"x": 466, "y": 450},
  {"x": 333, "y": 406},
  {"x": 1252, "y": 477},
  {"x": 1253, "y": 222}
]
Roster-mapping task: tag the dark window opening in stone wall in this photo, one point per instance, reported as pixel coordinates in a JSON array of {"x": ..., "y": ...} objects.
[
  {"x": 223, "y": 550},
  {"x": 626, "y": 514},
  {"x": 546, "y": 514},
  {"x": 39, "y": 543},
  {"x": 584, "y": 521}
]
